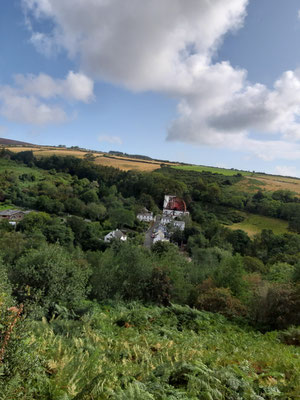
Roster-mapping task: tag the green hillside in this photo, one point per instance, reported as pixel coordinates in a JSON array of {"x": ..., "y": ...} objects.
[
  {"x": 213, "y": 170},
  {"x": 254, "y": 224},
  {"x": 136, "y": 352}
]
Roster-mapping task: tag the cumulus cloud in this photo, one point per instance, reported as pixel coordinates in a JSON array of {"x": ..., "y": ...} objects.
[
  {"x": 144, "y": 45},
  {"x": 169, "y": 46},
  {"x": 76, "y": 86},
  {"x": 110, "y": 139},
  {"x": 30, "y": 100},
  {"x": 227, "y": 120}
]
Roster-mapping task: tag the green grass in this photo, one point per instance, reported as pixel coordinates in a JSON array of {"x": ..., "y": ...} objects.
[
  {"x": 214, "y": 170},
  {"x": 254, "y": 224},
  {"x": 4, "y": 206},
  {"x": 19, "y": 169}
]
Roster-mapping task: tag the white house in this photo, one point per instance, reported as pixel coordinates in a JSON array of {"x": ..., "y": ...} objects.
[
  {"x": 160, "y": 237},
  {"x": 165, "y": 219},
  {"x": 179, "y": 224},
  {"x": 145, "y": 216},
  {"x": 117, "y": 234}
]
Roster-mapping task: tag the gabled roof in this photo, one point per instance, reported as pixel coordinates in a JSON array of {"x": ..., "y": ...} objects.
[
  {"x": 9, "y": 213},
  {"x": 118, "y": 234}
]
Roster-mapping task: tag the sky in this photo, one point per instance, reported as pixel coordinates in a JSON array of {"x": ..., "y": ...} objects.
[{"x": 208, "y": 82}]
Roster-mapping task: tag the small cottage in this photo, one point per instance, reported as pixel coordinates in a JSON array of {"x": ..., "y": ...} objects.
[
  {"x": 160, "y": 237},
  {"x": 117, "y": 234},
  {"x": 12, "y": 215},
  {"x": 145, "y": 215}
]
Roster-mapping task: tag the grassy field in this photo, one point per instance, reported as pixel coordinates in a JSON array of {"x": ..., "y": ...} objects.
[
  {"x": 270, "y": 183},
  {"x": 4, "y": 207},
  {"x": 214, "y": 170},
  {"x": 7, "y": 166},
  {"x": 254, "y": 224}
]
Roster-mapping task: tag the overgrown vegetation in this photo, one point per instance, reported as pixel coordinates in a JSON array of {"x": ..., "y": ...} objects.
[{"x": 195, "y": 318}]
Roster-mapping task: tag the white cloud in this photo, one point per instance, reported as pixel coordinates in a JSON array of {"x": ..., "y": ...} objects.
[
  {"x": 299, "y": 14},
  {"x": 30, "y": 100},
  {"x": 150, "y": 45},
  {"x": 110, "y": 139},
  {"x": 168, "y": 46},
  {"x": 286, "y": 170},
  {"x": 28, "y": 109},
  {"x": 76, "y": 86}
]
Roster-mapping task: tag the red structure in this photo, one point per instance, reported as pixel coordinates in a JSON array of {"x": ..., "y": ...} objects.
[{"x": 176, "y": 204}]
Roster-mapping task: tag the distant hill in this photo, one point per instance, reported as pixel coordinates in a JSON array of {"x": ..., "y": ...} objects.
[{"x": 10, "y": 142}]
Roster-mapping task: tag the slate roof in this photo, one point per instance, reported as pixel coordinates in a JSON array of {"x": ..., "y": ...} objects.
[{"x": 9, "y": 213}]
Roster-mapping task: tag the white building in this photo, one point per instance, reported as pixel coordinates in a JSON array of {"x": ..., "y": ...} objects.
[
  {"x": 117, "y": 234},
  {"x": 166, "y": 219},
  {"x": 160, "y": 237},
  {"x": 179, "y": 224},
  {"x": 146, "y": 216}
]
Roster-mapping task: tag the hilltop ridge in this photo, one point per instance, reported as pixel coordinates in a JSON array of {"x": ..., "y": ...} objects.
[{"x": 11, "y": 142}]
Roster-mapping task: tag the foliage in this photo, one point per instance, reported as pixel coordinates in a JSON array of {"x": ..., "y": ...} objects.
[
  {"x": 101, "y": 349},
  {"x": 291, "y": 336},
  {"x": 218, "y": 300},
  {"x": 135, "y": 352},
  {"x": 48, "y": 276}
]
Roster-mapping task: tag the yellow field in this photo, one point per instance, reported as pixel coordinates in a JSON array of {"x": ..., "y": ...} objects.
[
  {"x": 122, "y": 163},
  {"x": 63, "y": 152},
  {"x": 127, "y": 164},
  {"x": 19, "y": 149},
  {"x": 269, "y": 183}
]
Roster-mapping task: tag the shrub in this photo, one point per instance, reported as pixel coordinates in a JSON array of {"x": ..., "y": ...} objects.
[
  {"x": 277, "y": 307},
  {"x": 49, "y": 275},
  {"x": 291, "y": 336},
  {"x": 218, "y": 300}
]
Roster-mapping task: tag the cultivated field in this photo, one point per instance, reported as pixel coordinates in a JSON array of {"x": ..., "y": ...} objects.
[
  {"x": 127, "y": 164},
  {"x": 254, "y": 224},
  {"x": 251, "y": 182},
  {"x": 123, "y": 163},
  {"x": 269, "y": 183}
]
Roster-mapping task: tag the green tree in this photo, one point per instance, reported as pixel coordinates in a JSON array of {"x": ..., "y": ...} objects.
[
  {"x": 239, "y": 240},
  {"x": 122, "y": 271},
  {"x": 95, "y": 211},
  {"x": 281, "y": 273},
  {"x": 120, "y": 217},
  {"x": 230, "y": 274},
  {"x": 50, "y": 275},
  {"x": 90, "y": 196},
  {"x": 34, "y": 220}
]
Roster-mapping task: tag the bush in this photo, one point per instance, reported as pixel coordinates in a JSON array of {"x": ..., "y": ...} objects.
[
  {"x": 220, "y": 300},
  {"x": 253, "y": 264},
  {"x": 50, "y": 275},
  {"x": 291, "y": 336},
  {"x": 277, "y": 307}
]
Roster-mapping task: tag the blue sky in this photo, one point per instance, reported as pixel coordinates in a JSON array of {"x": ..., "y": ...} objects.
[{"x": 212, "y": 83}]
